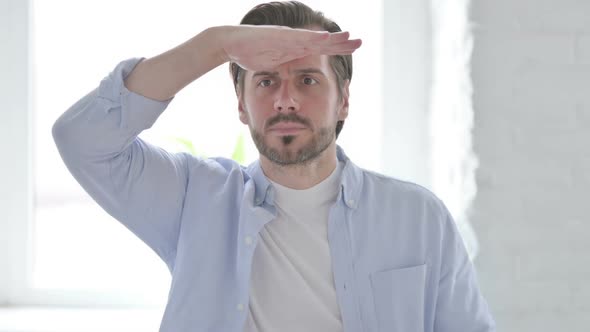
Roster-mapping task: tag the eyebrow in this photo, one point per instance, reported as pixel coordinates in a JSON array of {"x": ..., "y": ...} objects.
[
  {"x": 310, "y": 71},
  {"x": 265, "y": 73},
  {"x": 297, "y": 71}
]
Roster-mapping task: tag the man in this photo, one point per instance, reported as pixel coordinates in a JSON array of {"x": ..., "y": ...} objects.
[{"x": 302, "y": 239}]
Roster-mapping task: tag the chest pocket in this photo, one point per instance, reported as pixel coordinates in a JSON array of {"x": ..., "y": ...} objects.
[{"x": 399, "y": 299}]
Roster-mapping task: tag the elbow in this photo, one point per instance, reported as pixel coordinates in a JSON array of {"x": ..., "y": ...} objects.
[
  {"x": 60, "y": 133},
  {"x": 67, "y": 128}
]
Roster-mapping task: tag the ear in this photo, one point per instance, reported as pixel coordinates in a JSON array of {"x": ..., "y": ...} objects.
[
  {"x": 343, "y": 111},
  {"x": 242, "y": 110}
]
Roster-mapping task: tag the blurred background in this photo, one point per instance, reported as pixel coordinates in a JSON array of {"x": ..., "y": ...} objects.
[{"x": 485, "y": 103}]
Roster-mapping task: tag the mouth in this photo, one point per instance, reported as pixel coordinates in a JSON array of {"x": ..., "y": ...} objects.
[{"x": 286, "y": 128}]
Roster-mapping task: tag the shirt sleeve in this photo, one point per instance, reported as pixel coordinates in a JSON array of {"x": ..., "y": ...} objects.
[
  {"x": 140, "y": 185},
  {"x": 460, "y": 305}
]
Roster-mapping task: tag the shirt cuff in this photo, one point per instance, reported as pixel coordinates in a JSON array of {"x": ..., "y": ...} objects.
[{"x": 137, "y": 112}]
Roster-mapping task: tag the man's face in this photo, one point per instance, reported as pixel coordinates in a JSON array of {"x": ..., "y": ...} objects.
[{"x": 292, "y": 110}]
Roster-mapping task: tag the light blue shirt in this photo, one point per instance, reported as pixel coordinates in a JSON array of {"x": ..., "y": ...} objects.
[{"x": 398, "y": 261}]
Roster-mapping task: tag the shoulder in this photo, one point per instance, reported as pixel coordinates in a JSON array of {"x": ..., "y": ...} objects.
[
  {"x": 403, "y": 205},
  {"x": 394, "y": 189},
  {"x": 216, "y": 168}
]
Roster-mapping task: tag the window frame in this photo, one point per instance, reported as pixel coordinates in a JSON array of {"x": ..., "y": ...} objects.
[
  {"x": 15, "y": 142},
  {"x": 17, "y": 137}
]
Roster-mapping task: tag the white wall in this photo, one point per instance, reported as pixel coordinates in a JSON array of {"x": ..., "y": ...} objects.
[{"x": 531, "y": 75}]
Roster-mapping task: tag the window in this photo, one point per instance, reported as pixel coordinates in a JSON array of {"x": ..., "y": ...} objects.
[
  {"x": 76, "y": 247},
  {"x": 58, "y": 248}
]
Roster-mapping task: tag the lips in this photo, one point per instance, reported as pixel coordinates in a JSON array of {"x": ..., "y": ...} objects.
[{"x": 287, "y": 127}]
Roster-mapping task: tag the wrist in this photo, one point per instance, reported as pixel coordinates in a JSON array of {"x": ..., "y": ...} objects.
[{"x": 218, "y": 37}]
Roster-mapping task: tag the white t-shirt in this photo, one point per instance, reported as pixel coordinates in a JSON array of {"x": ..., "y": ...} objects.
[{"x": 292, "y": 285}]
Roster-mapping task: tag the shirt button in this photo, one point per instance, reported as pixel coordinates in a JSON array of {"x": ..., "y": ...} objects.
[
  {"x": 248, "y": 240},
  {"x": 351, "y": 202},
  {"x": 240, "y": 307}
]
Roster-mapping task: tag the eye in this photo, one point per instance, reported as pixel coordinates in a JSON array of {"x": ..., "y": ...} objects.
[
  {"x": 309, "y": 81},
  {"x": 265, "y": 83}
]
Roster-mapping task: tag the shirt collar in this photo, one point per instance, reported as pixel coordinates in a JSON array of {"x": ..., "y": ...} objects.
[
  {"x": 352, "y": 181},
  {"x": 261, "y": 184}
]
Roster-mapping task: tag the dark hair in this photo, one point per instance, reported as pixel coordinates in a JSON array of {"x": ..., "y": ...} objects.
[{"x": 295, "y": 14}]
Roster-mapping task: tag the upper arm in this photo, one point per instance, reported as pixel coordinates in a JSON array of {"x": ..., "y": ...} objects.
[{"x": 139, "y": 184}]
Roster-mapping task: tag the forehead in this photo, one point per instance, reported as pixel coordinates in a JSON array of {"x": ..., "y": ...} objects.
[{"x": 319, "y": 62}]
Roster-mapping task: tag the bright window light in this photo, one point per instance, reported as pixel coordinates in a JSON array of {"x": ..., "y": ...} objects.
[{"x": 79, "y": 247}]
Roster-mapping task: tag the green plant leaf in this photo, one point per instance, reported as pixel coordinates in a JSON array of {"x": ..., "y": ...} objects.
[
  {"x": 239, "y": 154},
  {"x": 188, "y": 146}
]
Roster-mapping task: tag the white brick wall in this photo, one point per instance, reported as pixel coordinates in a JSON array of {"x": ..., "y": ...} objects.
[{"x": 531, "y": 78}]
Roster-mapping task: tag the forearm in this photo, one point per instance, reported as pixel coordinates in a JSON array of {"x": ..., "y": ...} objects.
[{"x": 162, "y": 76}]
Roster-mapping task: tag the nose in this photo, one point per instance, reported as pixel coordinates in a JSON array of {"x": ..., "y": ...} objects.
[{"x": 286, "y": 99}]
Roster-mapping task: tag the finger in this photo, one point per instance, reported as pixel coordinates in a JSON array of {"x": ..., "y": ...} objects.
[
  {"x": 336, "y": 37},
  {"x": 329, "y": 39},
  {"x": 340, "y": 52},
  {"x": 340, "y": 47},
  {"x": 347, "y": 43},
  {"x": 332, "y": 47},
  {"x": 304, "y": 35},
  {"x": 312, "y": 38},
  {"x": 344, "y": 51}
]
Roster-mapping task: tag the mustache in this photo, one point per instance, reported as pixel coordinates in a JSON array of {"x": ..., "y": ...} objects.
[{"x": 290, "y": 117}]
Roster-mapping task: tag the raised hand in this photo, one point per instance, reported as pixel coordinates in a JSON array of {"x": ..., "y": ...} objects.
[
  {"x": 256, "y": 47},
  {"x": 253, "y": 47}
]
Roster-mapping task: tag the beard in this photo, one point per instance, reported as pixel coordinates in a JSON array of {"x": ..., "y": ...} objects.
[{"x": 285, "y": 155}]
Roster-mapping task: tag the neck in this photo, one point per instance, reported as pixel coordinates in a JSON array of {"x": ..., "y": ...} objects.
[{"x": 302, "y": 176}]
